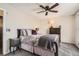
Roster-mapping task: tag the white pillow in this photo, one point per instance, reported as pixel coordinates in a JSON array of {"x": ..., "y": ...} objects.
[
  {"x": 24, "y": 32},
  {"x": 29, "y": 32}
]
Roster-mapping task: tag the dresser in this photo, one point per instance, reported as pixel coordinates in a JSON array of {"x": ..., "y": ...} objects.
[{"x": 57, "y": 31}]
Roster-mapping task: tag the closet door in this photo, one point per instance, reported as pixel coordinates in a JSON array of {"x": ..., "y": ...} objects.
[{"x": 1, "y": 33}]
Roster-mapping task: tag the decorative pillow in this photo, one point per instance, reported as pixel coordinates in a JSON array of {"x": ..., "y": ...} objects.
[
  {"x": 24, "y": 32},
  {"x": 29, "y": 31},
  {"x": 34, "y": 32}
]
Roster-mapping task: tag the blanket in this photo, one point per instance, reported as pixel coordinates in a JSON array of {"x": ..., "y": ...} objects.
[{"x": 46, "y": 41}]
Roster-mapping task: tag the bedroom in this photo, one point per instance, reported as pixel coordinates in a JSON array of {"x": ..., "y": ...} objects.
[{"x": 24, "y": 16}]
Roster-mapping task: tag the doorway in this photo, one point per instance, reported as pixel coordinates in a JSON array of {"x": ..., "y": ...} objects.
[{"x": 1, "y": 31}]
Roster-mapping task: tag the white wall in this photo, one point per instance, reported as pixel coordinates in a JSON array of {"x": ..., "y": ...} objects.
[
  {"x": 67, "y": 27},
  {"x": 77, "y": 29},
  {"x": 16, "y": 19},
  {"x": 13, "y": 20}
]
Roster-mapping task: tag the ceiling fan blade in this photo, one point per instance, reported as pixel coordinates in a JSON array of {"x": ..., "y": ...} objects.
[
  {"x": 53, "y": 11},
  {"x": 56, "y": 4},
  {"x": 46, "y": 13},
  {"x": 40, "y": 11},
  {"x": 42, "y": 6}
]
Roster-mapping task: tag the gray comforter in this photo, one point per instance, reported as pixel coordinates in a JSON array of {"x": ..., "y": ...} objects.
[{"x": 46, "y": 41}]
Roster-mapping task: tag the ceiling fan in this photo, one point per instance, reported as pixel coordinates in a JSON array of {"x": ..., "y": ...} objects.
[{"x": 47, "y": 9}]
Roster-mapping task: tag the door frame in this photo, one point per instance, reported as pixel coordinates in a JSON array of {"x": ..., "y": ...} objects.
[{"x": 3, "y": 40}]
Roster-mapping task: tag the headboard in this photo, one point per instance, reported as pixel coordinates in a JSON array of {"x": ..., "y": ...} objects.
[
  {"x": 57, "y": 30},
  {"x": 20, "y": 32}
]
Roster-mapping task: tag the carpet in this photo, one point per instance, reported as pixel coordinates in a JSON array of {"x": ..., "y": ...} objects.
[{"x": 64, "y": 50}]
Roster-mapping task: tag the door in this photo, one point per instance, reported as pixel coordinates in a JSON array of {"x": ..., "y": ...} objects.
[{"x": 1, "y": 34}]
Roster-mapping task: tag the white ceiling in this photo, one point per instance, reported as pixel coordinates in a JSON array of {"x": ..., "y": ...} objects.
[{"x": 64, "y": 9}]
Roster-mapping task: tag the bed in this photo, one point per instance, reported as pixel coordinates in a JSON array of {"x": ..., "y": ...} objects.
[{"x": 31, "y": 43}]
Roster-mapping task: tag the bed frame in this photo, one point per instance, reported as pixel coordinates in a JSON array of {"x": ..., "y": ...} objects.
[{"x": 52, "y": 30}]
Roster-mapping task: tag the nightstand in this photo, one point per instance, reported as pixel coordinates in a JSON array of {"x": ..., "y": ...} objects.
[{"x": 14, "y": 43}]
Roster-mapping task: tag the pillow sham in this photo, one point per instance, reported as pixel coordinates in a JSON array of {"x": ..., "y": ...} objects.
[
  {"x": 29, "y": 31},
  {"x": 24, "y": 32},
  {"x": 34, "y": 32}
]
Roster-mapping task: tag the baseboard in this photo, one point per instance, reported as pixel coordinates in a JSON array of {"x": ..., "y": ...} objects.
[
  {"x": 70, "y": 43},
  {"x": 67, "y": 43}
]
